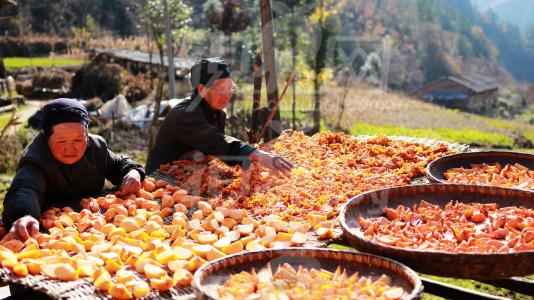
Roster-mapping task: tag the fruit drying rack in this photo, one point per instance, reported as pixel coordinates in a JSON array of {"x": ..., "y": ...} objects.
[{"x": 84, "y": 288}]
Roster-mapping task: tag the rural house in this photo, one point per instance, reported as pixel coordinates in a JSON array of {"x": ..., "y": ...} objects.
[{"x": 475, "y": 94}]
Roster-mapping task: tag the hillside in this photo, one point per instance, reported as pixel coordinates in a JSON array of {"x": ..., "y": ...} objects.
[
  {"x": 518, "y": 12},
  {"x": 371, "y": 111},
  {"x": 433, "y": 38}
]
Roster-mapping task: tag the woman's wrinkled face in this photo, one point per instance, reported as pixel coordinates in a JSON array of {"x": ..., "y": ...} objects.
[
  {"x": 68, "y": 142},
  {"x": 219, "y": 94}
]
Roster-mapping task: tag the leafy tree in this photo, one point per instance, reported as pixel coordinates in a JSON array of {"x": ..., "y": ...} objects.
[
  {"x": 463, "y": 47},
  {"x": 433, "y": 63},
  {"x": 296, "y": 11},
  {"x": 230, "y": 18},
  {"x": 323, "y": 21},
  {"x": 425, "y": 11},
  {"x": 154, "y": 15}
]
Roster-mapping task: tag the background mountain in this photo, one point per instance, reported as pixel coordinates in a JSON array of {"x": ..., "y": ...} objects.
[
  {"x": 439, "y": 38},
  {"x": 518, "y": 12},
  {"x": 431, "y": 38}
]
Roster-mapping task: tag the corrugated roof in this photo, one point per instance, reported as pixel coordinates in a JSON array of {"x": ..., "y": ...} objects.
[
  {"x": 477, "y": 83},
  {"x": 144, "y": 57},
  {"x": 7, "y": 2}
]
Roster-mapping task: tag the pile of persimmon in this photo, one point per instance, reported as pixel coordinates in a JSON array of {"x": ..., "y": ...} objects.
[
  {"x": 307, "y": 283},
  {"x": 330, "y": 168},
  {"x": 512, "y": 176},
  {"x": 459, "y": 227},
  {"x": 132, "y": 245}
]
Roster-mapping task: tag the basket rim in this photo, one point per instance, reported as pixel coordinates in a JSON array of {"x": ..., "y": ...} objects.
[
  {"x": 356, "y": 233},
  {"x": 298, "y": 251},
  {"x": 466, "y": 155}
]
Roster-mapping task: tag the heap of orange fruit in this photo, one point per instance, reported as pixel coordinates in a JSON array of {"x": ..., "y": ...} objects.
[
  {"x": 114, "y": 240},
  {"x": 459, "y": 227},
  {"x": 330, "y": 168},
  {"x": 307, "y": 283},
  {"x": 154, "y": 240},
  {"x": 512, "y": 176}
]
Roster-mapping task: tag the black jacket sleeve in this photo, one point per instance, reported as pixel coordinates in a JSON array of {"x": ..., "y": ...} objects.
[
  {"x": 201, "y": 135},
  {"x": 25, "y": 195},
  {"x": 117, "y": 166}
]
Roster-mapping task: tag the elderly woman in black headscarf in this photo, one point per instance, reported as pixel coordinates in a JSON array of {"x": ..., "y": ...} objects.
[
  {"x": 195, "y": 126},
  {"x": 61, "y": 165}
]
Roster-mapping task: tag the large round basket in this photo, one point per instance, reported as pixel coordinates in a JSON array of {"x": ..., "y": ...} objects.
[
  {"x": 436, "y": 169},
  {"x": 214, "y": 274},
  {"x": 481, "y": 266}
]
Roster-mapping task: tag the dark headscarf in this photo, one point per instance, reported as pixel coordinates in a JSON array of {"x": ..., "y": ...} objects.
[
  {"x": 63, "y": 110},
  {"x": 207, "y": 70}
]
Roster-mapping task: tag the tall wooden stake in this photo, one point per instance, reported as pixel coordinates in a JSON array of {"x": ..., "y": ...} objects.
[
  {"x": 170, "y": 53},
  {"x": 256, "y": 98},
  {"x": 270, "y": 64}
]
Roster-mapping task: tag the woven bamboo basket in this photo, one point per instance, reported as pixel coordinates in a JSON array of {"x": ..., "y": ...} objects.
[
  {"x": 479, "y": 266},
  {"x": 438, "y": 167},
  {"x": 211, "y": 276}
]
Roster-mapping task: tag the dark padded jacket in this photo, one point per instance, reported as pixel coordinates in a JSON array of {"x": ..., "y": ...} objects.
[
  {"x": 42, "y": 182},
  {"x": 193, "y": 125}
]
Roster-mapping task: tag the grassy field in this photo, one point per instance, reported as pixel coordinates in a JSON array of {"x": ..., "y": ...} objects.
[
  {"x": 24, "y": 62},
  {"x": 463, "y": 136},
  {"x": 371, "y": 111}
]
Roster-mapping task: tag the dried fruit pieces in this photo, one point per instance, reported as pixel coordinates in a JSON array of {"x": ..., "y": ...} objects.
[
  {"x": 458, "y": 227},
  {"x": 330, "y": 168},
  {"x": 512, "y": 176},
  {"x": 303, "y": 283}
]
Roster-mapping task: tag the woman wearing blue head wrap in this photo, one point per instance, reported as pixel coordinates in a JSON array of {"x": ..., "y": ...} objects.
[{"x": 61, "y": 165}]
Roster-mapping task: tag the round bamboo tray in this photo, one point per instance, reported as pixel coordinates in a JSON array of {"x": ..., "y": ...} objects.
[
  {"x": 211, "y": 276},
  {"x": 436, "y": 169},
  {"x": 480, "y": 266}
]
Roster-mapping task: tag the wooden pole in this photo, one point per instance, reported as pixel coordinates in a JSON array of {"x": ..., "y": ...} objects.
[
  {"x": 270, "y": 63},
  {"x": 170, "y": 53},
  {"x": 275, "y": 109},
  {"x": 256, "y": 98}
]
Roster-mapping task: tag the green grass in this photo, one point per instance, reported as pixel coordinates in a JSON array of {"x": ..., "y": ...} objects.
[
  {"x": 4, "y": 118},
  {"x": 24, "y": 62},
  {"x": 529, "y": 135},
  {"x": 497, "y": 123},
  {"x": 464, "y": 136},
  {"x": 477, "y": 286}
]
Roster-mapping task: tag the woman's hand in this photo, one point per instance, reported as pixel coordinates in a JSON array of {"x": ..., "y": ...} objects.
[
  {"x": 272, "y": 161},
  {"x": 24, "y": 228},
  {"x": 131, "y": 183}
]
